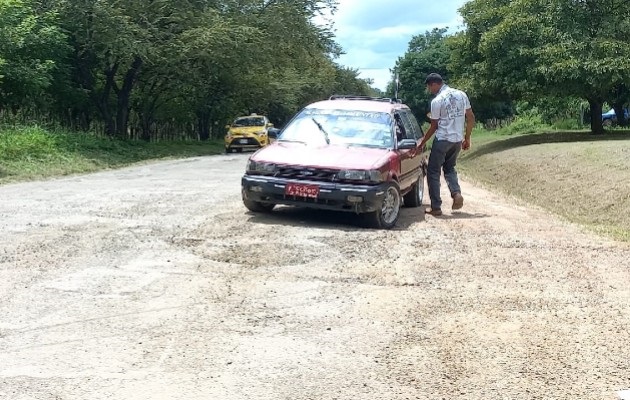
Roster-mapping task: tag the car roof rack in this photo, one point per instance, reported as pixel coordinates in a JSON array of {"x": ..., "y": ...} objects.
[{"x": 352, "y": 97}]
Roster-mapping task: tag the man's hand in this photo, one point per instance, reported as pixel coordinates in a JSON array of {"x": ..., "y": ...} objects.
[{"x": 466, "y": 144}]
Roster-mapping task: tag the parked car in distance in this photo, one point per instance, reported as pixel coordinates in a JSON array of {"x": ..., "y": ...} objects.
[
  {"x": 610, "y": 118},
  {"x": 247, "y": 133},
  {"x": 347, "y": 153}
]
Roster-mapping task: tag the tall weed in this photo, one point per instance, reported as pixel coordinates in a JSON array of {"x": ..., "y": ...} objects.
[
  {"x": 524, "y": 124},
  {"x": 26, "y": 143}
]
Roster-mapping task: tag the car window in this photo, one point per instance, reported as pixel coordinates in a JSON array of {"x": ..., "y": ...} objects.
[
  {"x": 249, "y": 121},
  {"x": 343, "y": 127},
  {"x": 414, "y": 130},
  {"x": 408, "y": 130}
]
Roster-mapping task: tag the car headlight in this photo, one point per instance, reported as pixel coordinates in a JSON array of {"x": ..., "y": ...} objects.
[
  {"x": 261, "y": 133},
  {"x": 261, "y": 167},
  {"x": 360, "y": 175}
]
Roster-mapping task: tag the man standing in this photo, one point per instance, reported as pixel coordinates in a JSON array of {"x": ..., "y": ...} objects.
[{"x": 451, "y": 114}]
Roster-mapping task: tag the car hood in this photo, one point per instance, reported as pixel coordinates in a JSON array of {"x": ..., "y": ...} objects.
[{"x": 327, "y": 156}]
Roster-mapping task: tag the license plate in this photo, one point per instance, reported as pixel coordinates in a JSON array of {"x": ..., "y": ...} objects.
[
  {"x": 300, "y": 190},
  {"x": 243, "y": 141}
]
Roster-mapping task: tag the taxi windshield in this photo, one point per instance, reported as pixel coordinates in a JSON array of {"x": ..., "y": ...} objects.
[{"x": 249, "y": 121}]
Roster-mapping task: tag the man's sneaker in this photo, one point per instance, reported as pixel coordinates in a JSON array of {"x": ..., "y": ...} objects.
[
  {"x": 436, "y": 212},
  {"x": 458, "y": 201}
]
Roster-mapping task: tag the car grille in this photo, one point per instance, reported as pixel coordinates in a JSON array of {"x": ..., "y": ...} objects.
[
  {"x": 250, "y": 141},
  {"x": 306, "y": 174},
  {"x": 305, "y": 200}
]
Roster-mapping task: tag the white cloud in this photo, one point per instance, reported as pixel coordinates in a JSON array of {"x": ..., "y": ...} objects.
[{"x": 374, "y": 33}]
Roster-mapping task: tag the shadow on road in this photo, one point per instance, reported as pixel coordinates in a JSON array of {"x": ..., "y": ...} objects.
[
  {"x": 300, "y": 217},
  {"x": 346, "y": 221},
  {"x": 464, "y": 215}
]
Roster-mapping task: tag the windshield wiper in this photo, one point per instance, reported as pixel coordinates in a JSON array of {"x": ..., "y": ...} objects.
[
  {"x": 374, "y": 146},
  {"x": 291, "y": 141},
  {"x": 322, "y": 130}
]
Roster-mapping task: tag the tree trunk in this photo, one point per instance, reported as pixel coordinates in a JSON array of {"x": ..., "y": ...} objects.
[
  {"x": 145, "y": 127},
  {"x": 102, "y": 101},
  {"x": 204, "y": 125},
  {"x": 124, "y": 95},
  {"x": 621, "y": 118},
  {"x": 596, "y": 116}
]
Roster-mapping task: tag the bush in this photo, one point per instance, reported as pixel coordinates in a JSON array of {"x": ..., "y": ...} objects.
[
  {"x": 567, "y": 124},
  {"x": 27, "y": 143},
  {"x": 525, "y": 123}
]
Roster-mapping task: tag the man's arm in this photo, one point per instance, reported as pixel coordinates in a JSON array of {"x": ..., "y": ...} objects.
[
  {"x": 470, "y": 124},
  {"x": 435, "y": 117},
  {"x": 427, "y": 136}
]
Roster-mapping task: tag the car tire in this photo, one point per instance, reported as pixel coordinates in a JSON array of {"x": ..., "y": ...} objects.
[
  {"x": 387, "y": 216},
  {"x": 607, "y": 122},
  {"x": 256, "y": 206},
  {"x": 414, "y": 197}
]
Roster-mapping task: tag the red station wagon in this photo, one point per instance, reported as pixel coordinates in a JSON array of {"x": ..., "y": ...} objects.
[{"x": 354, "y": 154}]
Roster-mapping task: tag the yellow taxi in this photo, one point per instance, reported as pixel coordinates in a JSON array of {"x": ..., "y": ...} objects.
[{"x": 247, "y": 133}]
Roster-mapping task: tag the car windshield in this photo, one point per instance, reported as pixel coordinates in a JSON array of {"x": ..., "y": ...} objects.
[
  {"x": 249, "y": 121},
  {"x": 340, "y": 127}
]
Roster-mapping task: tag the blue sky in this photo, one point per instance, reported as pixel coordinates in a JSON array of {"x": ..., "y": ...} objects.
[{"x": 374, "y": 33}]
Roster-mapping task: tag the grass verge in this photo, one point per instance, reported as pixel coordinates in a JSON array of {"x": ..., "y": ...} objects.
[
  {"x": 29, "y": 153},
  {"x": 582, "y": 177}
]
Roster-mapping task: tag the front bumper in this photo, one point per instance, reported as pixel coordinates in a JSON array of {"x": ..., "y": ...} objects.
[
  {"x": 245, "y": 142},
  {"x": 332, "y": 196}
]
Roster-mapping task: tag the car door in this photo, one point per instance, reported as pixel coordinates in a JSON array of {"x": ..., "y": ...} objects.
[{"x": 410, "y": 159}]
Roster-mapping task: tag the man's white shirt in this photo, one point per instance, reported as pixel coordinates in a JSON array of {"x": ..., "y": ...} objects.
[{"x": 449, "y": 108}]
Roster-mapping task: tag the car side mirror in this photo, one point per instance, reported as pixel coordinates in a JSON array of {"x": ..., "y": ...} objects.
[
  {"x": 407, "y": 144},
  {"x": 273, "y": 133}
]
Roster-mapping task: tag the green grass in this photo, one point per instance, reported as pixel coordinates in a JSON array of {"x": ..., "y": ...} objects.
[
  {"x": 582, "y": 177},
  {"x": 28, "y": 153}
]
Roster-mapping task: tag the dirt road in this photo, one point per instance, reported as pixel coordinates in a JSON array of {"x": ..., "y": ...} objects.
[{"x": 154, "y": 282}]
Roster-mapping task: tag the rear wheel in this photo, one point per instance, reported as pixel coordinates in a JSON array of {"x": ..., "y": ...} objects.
[
  {"x": 607, "y": 122},
  {"x": 387, "y": 216},
  {"x": 414, "y": 197}
]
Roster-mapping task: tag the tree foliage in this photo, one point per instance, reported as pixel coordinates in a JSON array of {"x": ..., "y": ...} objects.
[
  {"x": 426, "y": 53},
  {"x": 433, "y": 52},
  {"x": 31, "y": 47},
  {"x": 532, "y": 48},
  {"x": 167, "y": 68}
]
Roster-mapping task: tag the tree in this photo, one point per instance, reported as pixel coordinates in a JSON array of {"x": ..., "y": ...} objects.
[
  {"x": 150, "y": 68},
  {"x": 31, "y": 49},
  {"x": 426, "y": 53},
  {"x": 620, "y": 98},
  {"x": 530, "y": 48}
]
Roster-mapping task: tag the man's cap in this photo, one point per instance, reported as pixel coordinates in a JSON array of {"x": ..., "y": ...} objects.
[{"x": 433, "y": 78}]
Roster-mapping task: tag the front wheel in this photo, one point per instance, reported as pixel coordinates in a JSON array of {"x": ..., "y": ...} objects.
[
  {"x": 256, "y": 206},
  {"x": 414, "y": 197},
  {"x": 607, "y": 122},
  {"x": 387, "y": 216}
]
